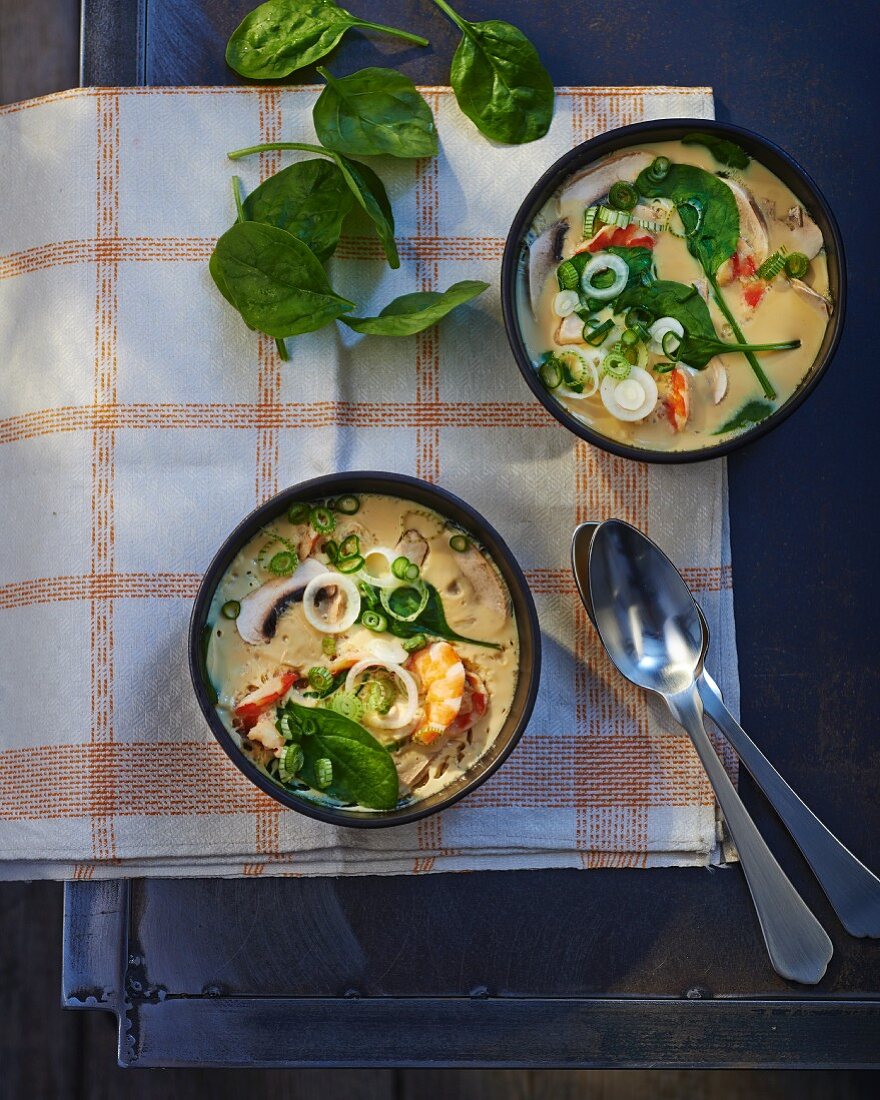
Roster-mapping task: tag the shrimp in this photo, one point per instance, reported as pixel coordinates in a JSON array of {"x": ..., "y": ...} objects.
[{"x": 442, "y": 678}]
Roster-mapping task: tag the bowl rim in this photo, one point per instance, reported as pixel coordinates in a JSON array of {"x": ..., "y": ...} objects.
[
  {"x": 394, "y": 484},
  {"x": 593, "y": 149}
]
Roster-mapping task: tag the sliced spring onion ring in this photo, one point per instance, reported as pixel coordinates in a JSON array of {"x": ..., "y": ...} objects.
[
  {"x": 352, "y": 602},
  {"x": 632, "y": 398},
  {"x": 348, "y": 505},
  {"x": 613, "y": 217},
  {"x": 566, "y": 302},
  {"x": 550, "y": 372},
  {"x": 623, "y": 195},
  {"x": 567, "y": 275},
  {"x": 231, "y": 609},
  {"x": 598, "y": 334},
  {"x": 375, "y": 621},
  {"x": 659, "y": 170},
  {"x": 298, "y": 512},
  {"x": 652, "y": 227},
  {"x": 796, "y": 265},
  {"x": 616, "y": 365},
  {"x": 354, "y": 564},
  {"x": 283, "y": 563},
  {"x": 322, "y": 519},
  {"x": 403, "y": 711},
  {"x": 670, "y": 343},
  {"x": 771, "y": 267},
  {"x": 459, "y": 543},
  {"x": 385, "y": 597},
  {"x": 582, "y": 372},
  {"x": 605, "y": 262},
  {"x": 590, "y": 221},
  {"x": 660, "y": 328}
]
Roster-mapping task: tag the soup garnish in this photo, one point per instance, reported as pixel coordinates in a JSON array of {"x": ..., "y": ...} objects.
[
  {"x": 673, "y": 302},
  {"x": 363, "y": 650}
]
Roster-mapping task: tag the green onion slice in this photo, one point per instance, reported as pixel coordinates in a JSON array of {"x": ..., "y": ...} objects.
[
  {"x": 600, "y": 334},
  {"x": 613, "y": 217},
  {"x": 349, "y": 505},
  {"x": 283, "y": 563},
  {"x": 616, "y": 365},
  {"x": 590, "y": 221},
  {"x": 374, "y": 620},
  {"x": 320, "y": 678},
  {"x": 671, "y": 343},
  {"x": 406, "y": 603},
  {"x": 623, "y": 195},
  {"x": 550, "y": 372},
  {"x": 290, "y": 762},
  {"x": 368, "y": 594},
  {"x": 796, "y": 265},
  {"x": 567, "y": 276},
  {"x": 322, "y": 520},
  {"x": 771, "y": 267},
  {"x": 659, "y": 170},
  {"x": 639, "y": 316},
  {"x": 347, "y": 704},
  {"x": 231, "y": 609},
  {"x": 629, "y": 337},
  {"x": 349, "y": 546},
  {"x": 663, "y": 368},
  {"x": 331, "y": 549},
  {"x": 328, "y": 645},
  {"x": 323, "y": 772},
  {"x": 459, "y": 543},
  {"x": 298, "y": 512},
  {"x": 354, "y": 564},
  {"x": 416, "y": 641}
]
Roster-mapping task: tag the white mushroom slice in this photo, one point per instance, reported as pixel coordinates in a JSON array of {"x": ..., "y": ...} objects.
[
  {"x": 594, "y": 183},
  {"x": 331, "y": 602},
  {"x": 257, "y": 620},
  {"x": 545, "y": 254},
  {"x": 752, "y": 225},
  {"x": 483, "y": 579},
  {"x": 632, "y": 398},
  {"x": 718, "y": 382},
  {"x": 570, "y": 330},
  {"x": 812, "y": 297},
  {"x": 413, "y": 546},
  {"x": 800, "y": 233}
]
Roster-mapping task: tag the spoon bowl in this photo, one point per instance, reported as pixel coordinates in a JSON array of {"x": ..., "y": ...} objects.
[{"x": 643, "y": 610}]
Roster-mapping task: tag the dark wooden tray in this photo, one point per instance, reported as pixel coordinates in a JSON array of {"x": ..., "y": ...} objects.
[{"x": 563, "y": 968}]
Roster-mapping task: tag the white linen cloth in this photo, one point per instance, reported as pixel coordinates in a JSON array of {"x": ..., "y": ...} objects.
[{"x": 140, "y": 419}]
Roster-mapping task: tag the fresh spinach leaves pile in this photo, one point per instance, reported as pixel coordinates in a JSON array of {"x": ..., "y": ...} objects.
[
  {"x": 496, "y": 75},
  {"x": 269, "y": 265}
]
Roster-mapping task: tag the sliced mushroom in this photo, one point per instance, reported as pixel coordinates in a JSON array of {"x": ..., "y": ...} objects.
[
  {"x": 718, "y": 382},
  {"x": 800, "y": 233},
  {"x": 570, "y": 330},
  {"x": 752, "y": 224},
  {"x": 812, "y": 297},
  {"x": 484, "y": 580},
  {"x": 260, "y": 610},
  {"x": 413, "y": 546},
  {"x": 594, "y": 183},
  {"x": 545, "y": 253}
]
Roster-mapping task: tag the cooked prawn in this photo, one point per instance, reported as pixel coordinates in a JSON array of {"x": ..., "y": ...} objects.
[{"x": 442, "y": 678}]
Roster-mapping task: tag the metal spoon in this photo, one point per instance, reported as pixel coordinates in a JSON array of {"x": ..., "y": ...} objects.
[
  {"x": 650, "y": 626},
  {"x": 852, "y": 889}
]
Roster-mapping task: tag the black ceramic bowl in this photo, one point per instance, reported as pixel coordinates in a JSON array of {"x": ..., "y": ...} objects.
[
  {"x": 420, "y": 492},
  {"x": 774, "y": 158}
]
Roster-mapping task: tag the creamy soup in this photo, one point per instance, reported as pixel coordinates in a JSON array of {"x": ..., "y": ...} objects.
[
  {"x": 364, "y": 651},
  {"x": 676, "y": 294}
]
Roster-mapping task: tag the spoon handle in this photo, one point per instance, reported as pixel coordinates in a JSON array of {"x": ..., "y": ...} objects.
[
  {"x": 798, "y": 945},
  {"x": 852, "y": 889}
]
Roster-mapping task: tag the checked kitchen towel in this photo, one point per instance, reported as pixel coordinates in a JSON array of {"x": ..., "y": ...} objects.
[{"x": 139, "y": 420}]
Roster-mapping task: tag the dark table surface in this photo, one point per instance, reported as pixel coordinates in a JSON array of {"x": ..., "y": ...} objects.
[{"x": 608, "y": 967}]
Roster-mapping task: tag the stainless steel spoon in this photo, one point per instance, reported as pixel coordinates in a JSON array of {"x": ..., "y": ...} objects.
[
  {"x": 852, "y": 889},
  {"x": 650, "y": 626}
]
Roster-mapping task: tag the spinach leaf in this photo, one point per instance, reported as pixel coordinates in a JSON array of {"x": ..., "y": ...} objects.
[
  {"x": 281, "y": 36},
  {"x": 665, "y": 298},
  {"x": 411, "y": 313},
  {"x": 309, "y": 199},
  {"x": 639, "y": 260},
  {"x": 753, "y": 412},
  {"x": 433, "y": 621},
  {"x": 706, "y": 206},
  {"x": 724, "y": 151},
  {"x": 370, "y": 193},
  {"x": 696, "y": 351},
  {"x": 274, "y": 280},
  {"x": 374, "y": 111},
  {"x": 364, "y": 184},
  {"x": 363, "y": 771},
  {"x": 499, "y": 81}
]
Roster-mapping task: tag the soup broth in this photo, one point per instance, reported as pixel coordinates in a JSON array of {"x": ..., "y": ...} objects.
[
  {"x": 649, "y": 269},
  {"x": 364, "y": 651}
]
